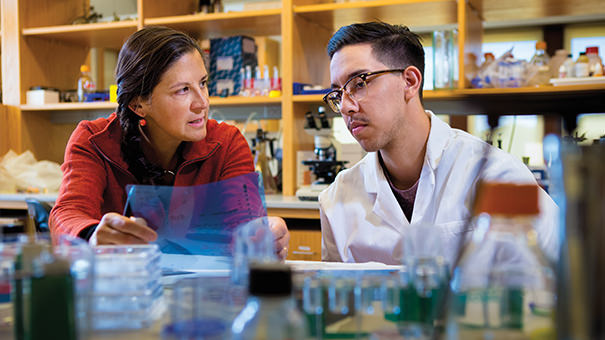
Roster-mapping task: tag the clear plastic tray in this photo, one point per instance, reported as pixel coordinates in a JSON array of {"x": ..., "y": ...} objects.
[
  {"x": 127, "y": 302},
  {"x": 127, "y": 283},
  {"x": 135, "y": 319},
  {"x": 119, "y": 260}
]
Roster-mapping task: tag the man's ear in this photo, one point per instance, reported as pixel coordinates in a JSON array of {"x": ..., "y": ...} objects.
[
  {"x": 413, "y": 82},
  {"x": 136, "y": 106}
]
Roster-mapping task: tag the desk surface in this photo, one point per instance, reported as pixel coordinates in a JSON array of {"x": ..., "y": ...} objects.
[{"x": 17, "y": 201}]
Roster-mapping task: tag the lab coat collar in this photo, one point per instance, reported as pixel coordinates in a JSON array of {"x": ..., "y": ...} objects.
[
  {"x": 386, "y": 205},
  {"x": 437, "y": 142}
]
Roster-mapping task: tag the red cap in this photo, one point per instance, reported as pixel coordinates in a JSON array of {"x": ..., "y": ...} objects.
[
  {"x": 592, "y": 50},
  {"x": 507, "y": 199}
]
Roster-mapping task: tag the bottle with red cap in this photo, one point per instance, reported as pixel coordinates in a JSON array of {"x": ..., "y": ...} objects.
[
  {"x": 503, "y": 287},
  {"x": 595, "y": 64}
]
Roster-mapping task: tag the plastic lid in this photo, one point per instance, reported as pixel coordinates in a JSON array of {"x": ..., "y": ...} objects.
[
  {"x": 489, "y": 54},
  {"x": 582, "y": 53},
  {"x": 592, "y": 49},
  {"x": 84, "y": 68},
  {"x": 541, "y": 45},
  {"x": 270, "y": 279},
  {"x": 507, "y": 199}
]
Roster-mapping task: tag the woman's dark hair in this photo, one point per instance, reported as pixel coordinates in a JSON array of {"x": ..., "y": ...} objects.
[
  {"x": 394, "y": 45},
  {"x": 142, "y": 61}
]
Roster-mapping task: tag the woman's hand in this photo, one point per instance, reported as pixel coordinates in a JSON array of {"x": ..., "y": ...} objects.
[
  {"x": 281, "y": 235},
  {"x": 118, "y": 229}
]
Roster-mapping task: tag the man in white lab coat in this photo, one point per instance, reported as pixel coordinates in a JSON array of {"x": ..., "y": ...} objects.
[{"x": 418, "y": 170}]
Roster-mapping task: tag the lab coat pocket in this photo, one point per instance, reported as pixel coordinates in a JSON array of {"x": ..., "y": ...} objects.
[{"x": 452, "y": 232}]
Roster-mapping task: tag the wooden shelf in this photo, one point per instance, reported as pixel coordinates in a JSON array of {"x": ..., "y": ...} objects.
[
  {"x": 251, "y": 23},
  {"x": 243, "y": 101},
  {"x": 107, "y": 35},
  {"x": 539, "y": 11},
  {"x": 70, "y": 106},
  {"x": 522, "y": 100},
  {"x": 214, "y": 101},
  {"x": 412, "y": 13}
]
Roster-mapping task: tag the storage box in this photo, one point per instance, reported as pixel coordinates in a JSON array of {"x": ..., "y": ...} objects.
[
  {"x": 42, "y": 96},
  {"x": 227, "y": 57}
]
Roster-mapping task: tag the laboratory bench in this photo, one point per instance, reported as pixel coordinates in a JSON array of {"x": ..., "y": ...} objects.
[{"x": 302, "y": 218}]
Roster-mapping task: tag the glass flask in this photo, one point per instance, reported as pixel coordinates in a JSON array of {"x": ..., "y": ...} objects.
[{"x": 503, "y": 287}]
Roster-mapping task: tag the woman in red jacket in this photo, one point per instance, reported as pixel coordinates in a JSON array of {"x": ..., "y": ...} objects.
[{"x": 160, "y": 134}]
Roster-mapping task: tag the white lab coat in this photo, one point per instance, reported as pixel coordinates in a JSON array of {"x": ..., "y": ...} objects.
[{"x": 362, "y": 221}]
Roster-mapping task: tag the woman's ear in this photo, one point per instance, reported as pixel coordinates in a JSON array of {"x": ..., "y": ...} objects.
[
  {"x": 413, "y": 82},
  {"x": 136, "y": 106}
]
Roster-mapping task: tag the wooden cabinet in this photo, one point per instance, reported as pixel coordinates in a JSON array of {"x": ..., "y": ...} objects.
[{"x": 41, "y": 48}]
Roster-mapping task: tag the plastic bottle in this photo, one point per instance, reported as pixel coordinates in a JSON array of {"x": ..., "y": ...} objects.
[
  {"x": 539, "y": 63},
  {"x": 556, "y": 61},
  {"x": 248, "y": 82},
  {"x": 85, "y": 83},
  {"x": 258, "y": 82},
  {"x": 266, "y": 81},
  {"x": 581, "y": 66},
  {"x": 503, "y": 286},
  {"x": 595, "y": 64},
  {"x": 270, "y": 312},
  {"x": 566, "y": 70}
]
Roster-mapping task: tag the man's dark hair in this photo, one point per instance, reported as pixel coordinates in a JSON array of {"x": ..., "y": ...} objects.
[{"x": 394, "y": 45}]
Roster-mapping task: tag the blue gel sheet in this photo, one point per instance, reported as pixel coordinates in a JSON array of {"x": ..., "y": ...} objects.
[{"x": 199, "y": 220}]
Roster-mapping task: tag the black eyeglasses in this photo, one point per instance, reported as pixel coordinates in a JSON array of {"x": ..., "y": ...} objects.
[{"x": 356, "y": 87}]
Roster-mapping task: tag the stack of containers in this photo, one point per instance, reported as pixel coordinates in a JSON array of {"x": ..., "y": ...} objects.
[{"x": 127, "y": 292}]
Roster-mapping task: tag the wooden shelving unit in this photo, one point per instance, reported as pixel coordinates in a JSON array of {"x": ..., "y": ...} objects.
[
  {"x": 107, "y": 35},
  {"x": 252, "y": 23},
  {"x": 44, "y": 49}
]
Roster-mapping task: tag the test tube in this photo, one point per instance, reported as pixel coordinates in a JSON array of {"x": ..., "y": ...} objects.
[{"x": 338, "y": 295}]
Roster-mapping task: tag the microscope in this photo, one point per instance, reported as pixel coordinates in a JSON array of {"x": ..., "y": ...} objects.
[{"x": 324, "y": 166}]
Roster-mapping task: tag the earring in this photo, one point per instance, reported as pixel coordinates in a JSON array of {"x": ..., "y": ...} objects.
[{"x": 142, "y": 122}]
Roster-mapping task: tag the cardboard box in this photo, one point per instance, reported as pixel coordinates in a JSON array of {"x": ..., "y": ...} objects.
[
  {"x": 227, "y": 57},
  {"x": 42, "y": 96}
]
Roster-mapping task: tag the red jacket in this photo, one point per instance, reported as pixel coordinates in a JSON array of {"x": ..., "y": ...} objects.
[{"x": 95, "y": 174}]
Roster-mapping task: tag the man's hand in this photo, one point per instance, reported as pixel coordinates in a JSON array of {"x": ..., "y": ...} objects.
[
  {"x": 281, "y": 235},
  {"x": 118, "y": 229}
]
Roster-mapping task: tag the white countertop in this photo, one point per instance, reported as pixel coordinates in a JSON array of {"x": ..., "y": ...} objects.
[{"x": 17, "y": 201}]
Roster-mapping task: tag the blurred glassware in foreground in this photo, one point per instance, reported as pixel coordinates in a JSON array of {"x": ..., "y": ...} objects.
[
  {"x": 503, "y": 287},
  {"x": 578, "y": 187}
]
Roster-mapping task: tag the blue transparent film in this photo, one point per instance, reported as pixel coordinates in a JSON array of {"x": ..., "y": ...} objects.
[{"x": 201, "y": 219}]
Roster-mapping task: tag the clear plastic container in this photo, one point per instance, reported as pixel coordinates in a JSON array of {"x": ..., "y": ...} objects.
[
  {"x": 503, "y": 286},
  {"x": 127, "y": 292},
  {"x": 539, "y": 66},
  {"x": 203, "y": 308},
  {"x": 444, "y": 59},
  {"x": 581, "y": 66},
  {"x": 566, "y": 70}
]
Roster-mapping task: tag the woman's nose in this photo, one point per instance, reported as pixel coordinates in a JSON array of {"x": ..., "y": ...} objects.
[{"x": 201, "y": 100}]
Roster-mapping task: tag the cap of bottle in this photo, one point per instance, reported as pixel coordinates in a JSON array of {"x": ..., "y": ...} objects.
[
  {"x": 84, "y": 68},
  {"x": 592, "y": 50},
  {"x": 270, "y": 279},
  {"x": 541, "y": 45},
  {"x": 507, "y": 199},
  {"x": 489, "y": 55}
]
